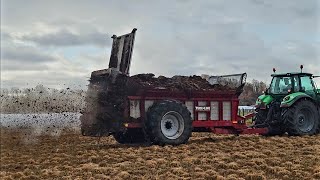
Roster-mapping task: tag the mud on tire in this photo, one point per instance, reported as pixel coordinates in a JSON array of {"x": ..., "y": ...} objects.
[
  {"x": 168, "y": 122},
  {"x": 130, "y": 136},
  {"x": 302, "y": 118}
]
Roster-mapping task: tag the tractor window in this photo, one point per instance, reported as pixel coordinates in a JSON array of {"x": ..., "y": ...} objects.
[
  {"x": 306, "y": 84},
  {"x": 296, "y": 87},
  {"x": 280, "y": 85}
]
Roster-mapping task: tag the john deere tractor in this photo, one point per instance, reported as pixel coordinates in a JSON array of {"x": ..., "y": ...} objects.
[{"x": 291, "y": 104}]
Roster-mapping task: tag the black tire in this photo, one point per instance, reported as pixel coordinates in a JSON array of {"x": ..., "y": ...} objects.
[
  {"x": 260, "y": 117},
  {"x": 302, "y": 118},
  {"x": 168, "y": 122},
  {"x": 275, "y": 130},
  {"x": 130, "y": 136}
]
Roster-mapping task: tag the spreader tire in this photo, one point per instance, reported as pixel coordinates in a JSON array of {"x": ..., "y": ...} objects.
[
  {"x": 168, "y": 122},
  {"x": 130, "y": 136},
  {"x": 302, "y": 118},
  {"x": 275, "y": 130}
]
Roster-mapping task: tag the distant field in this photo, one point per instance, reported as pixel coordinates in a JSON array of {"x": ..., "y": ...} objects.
[{"x": 60, "y": 152}]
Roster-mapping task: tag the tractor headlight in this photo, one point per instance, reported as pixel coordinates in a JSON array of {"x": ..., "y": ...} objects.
[{"x": 260, "y": 104}]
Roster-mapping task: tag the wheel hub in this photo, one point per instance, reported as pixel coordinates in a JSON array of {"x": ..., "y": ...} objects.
[
  {"x": 301, "y": 119},
  {"x": 172, "y": 125},
  {"x": 168, "y": 124},
  {"x": 305, "y": 120}
]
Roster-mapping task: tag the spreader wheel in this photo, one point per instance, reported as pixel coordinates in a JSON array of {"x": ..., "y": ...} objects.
[
  {"x": 302, "y": 119},
  {"x": 275, "y": 130},
  {"x": 168, "y": 122},
  {"x": 130, "y": 136}
]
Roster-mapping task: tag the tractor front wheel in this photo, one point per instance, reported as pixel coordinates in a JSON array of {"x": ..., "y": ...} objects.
[
  {"x": 302, "y": 119},
  {"x": 260, "y": 116}
]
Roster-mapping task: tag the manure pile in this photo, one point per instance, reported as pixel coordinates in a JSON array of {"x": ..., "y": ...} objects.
[{"x": 176, "y": 83}]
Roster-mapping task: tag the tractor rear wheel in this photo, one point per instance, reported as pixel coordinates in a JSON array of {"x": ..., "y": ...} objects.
[
  {"x": 130, "y": 136},
  {"x": 302, "y": 119},
  {"x": 168, "y": 122}
]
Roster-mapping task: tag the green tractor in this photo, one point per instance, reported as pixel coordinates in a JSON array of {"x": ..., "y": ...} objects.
[{"x": 291, "y": 104}]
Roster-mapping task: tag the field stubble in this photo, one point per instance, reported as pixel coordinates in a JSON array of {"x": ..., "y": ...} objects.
[{"x": 68, "y": 155}]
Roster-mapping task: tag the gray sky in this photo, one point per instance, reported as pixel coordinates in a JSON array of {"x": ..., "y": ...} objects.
[{"x": 58, "y": 43}]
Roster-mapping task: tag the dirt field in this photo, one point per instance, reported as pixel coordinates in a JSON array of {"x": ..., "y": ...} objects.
[{"x": 68, "y": 155}]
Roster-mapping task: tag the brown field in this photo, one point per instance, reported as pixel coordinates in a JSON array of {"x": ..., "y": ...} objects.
[{"x": 68, "y": 155}]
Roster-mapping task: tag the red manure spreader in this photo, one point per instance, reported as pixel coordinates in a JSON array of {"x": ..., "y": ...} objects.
[{"x": 160, "y": 110}]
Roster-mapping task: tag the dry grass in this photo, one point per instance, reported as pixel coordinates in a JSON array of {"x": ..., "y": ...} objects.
[{"x": 206, "y": 156}]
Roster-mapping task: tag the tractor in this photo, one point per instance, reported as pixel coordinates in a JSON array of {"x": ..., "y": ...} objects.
[{"x": 290, "y": 105}]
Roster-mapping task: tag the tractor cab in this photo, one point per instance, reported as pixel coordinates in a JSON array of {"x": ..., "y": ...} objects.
[{"x": 284, "y": 84}]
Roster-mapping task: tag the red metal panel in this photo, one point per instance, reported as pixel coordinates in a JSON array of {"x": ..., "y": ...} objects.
[
  {"x": 223, "y": 131},
  {"x": 261, "y": 131},
  {"x": 235, "y": 126},
  {"x": 209, "y": 112},
  {"x": 210, "y": 123},
  {"x": 220, "y": 110},
  {"x": 217, "y": 127},
  {"x": 134, "y": 97},
  {"x": 195, "y": 112},
  {"x": 215, "y": 98},
  {"x": 133, "y": 125},
  {"x": 198, "y": 123},
  {"x": 234, "y": 109}
]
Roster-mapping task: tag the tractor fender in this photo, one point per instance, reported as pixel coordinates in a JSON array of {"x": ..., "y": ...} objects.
[{"x": 290, "y": 99}]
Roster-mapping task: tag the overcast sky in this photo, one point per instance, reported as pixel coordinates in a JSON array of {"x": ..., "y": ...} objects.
[{"x": 58, "y": 43}]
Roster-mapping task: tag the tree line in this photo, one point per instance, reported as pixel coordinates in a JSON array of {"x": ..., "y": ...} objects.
[{"x": 252, "y": 90}]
